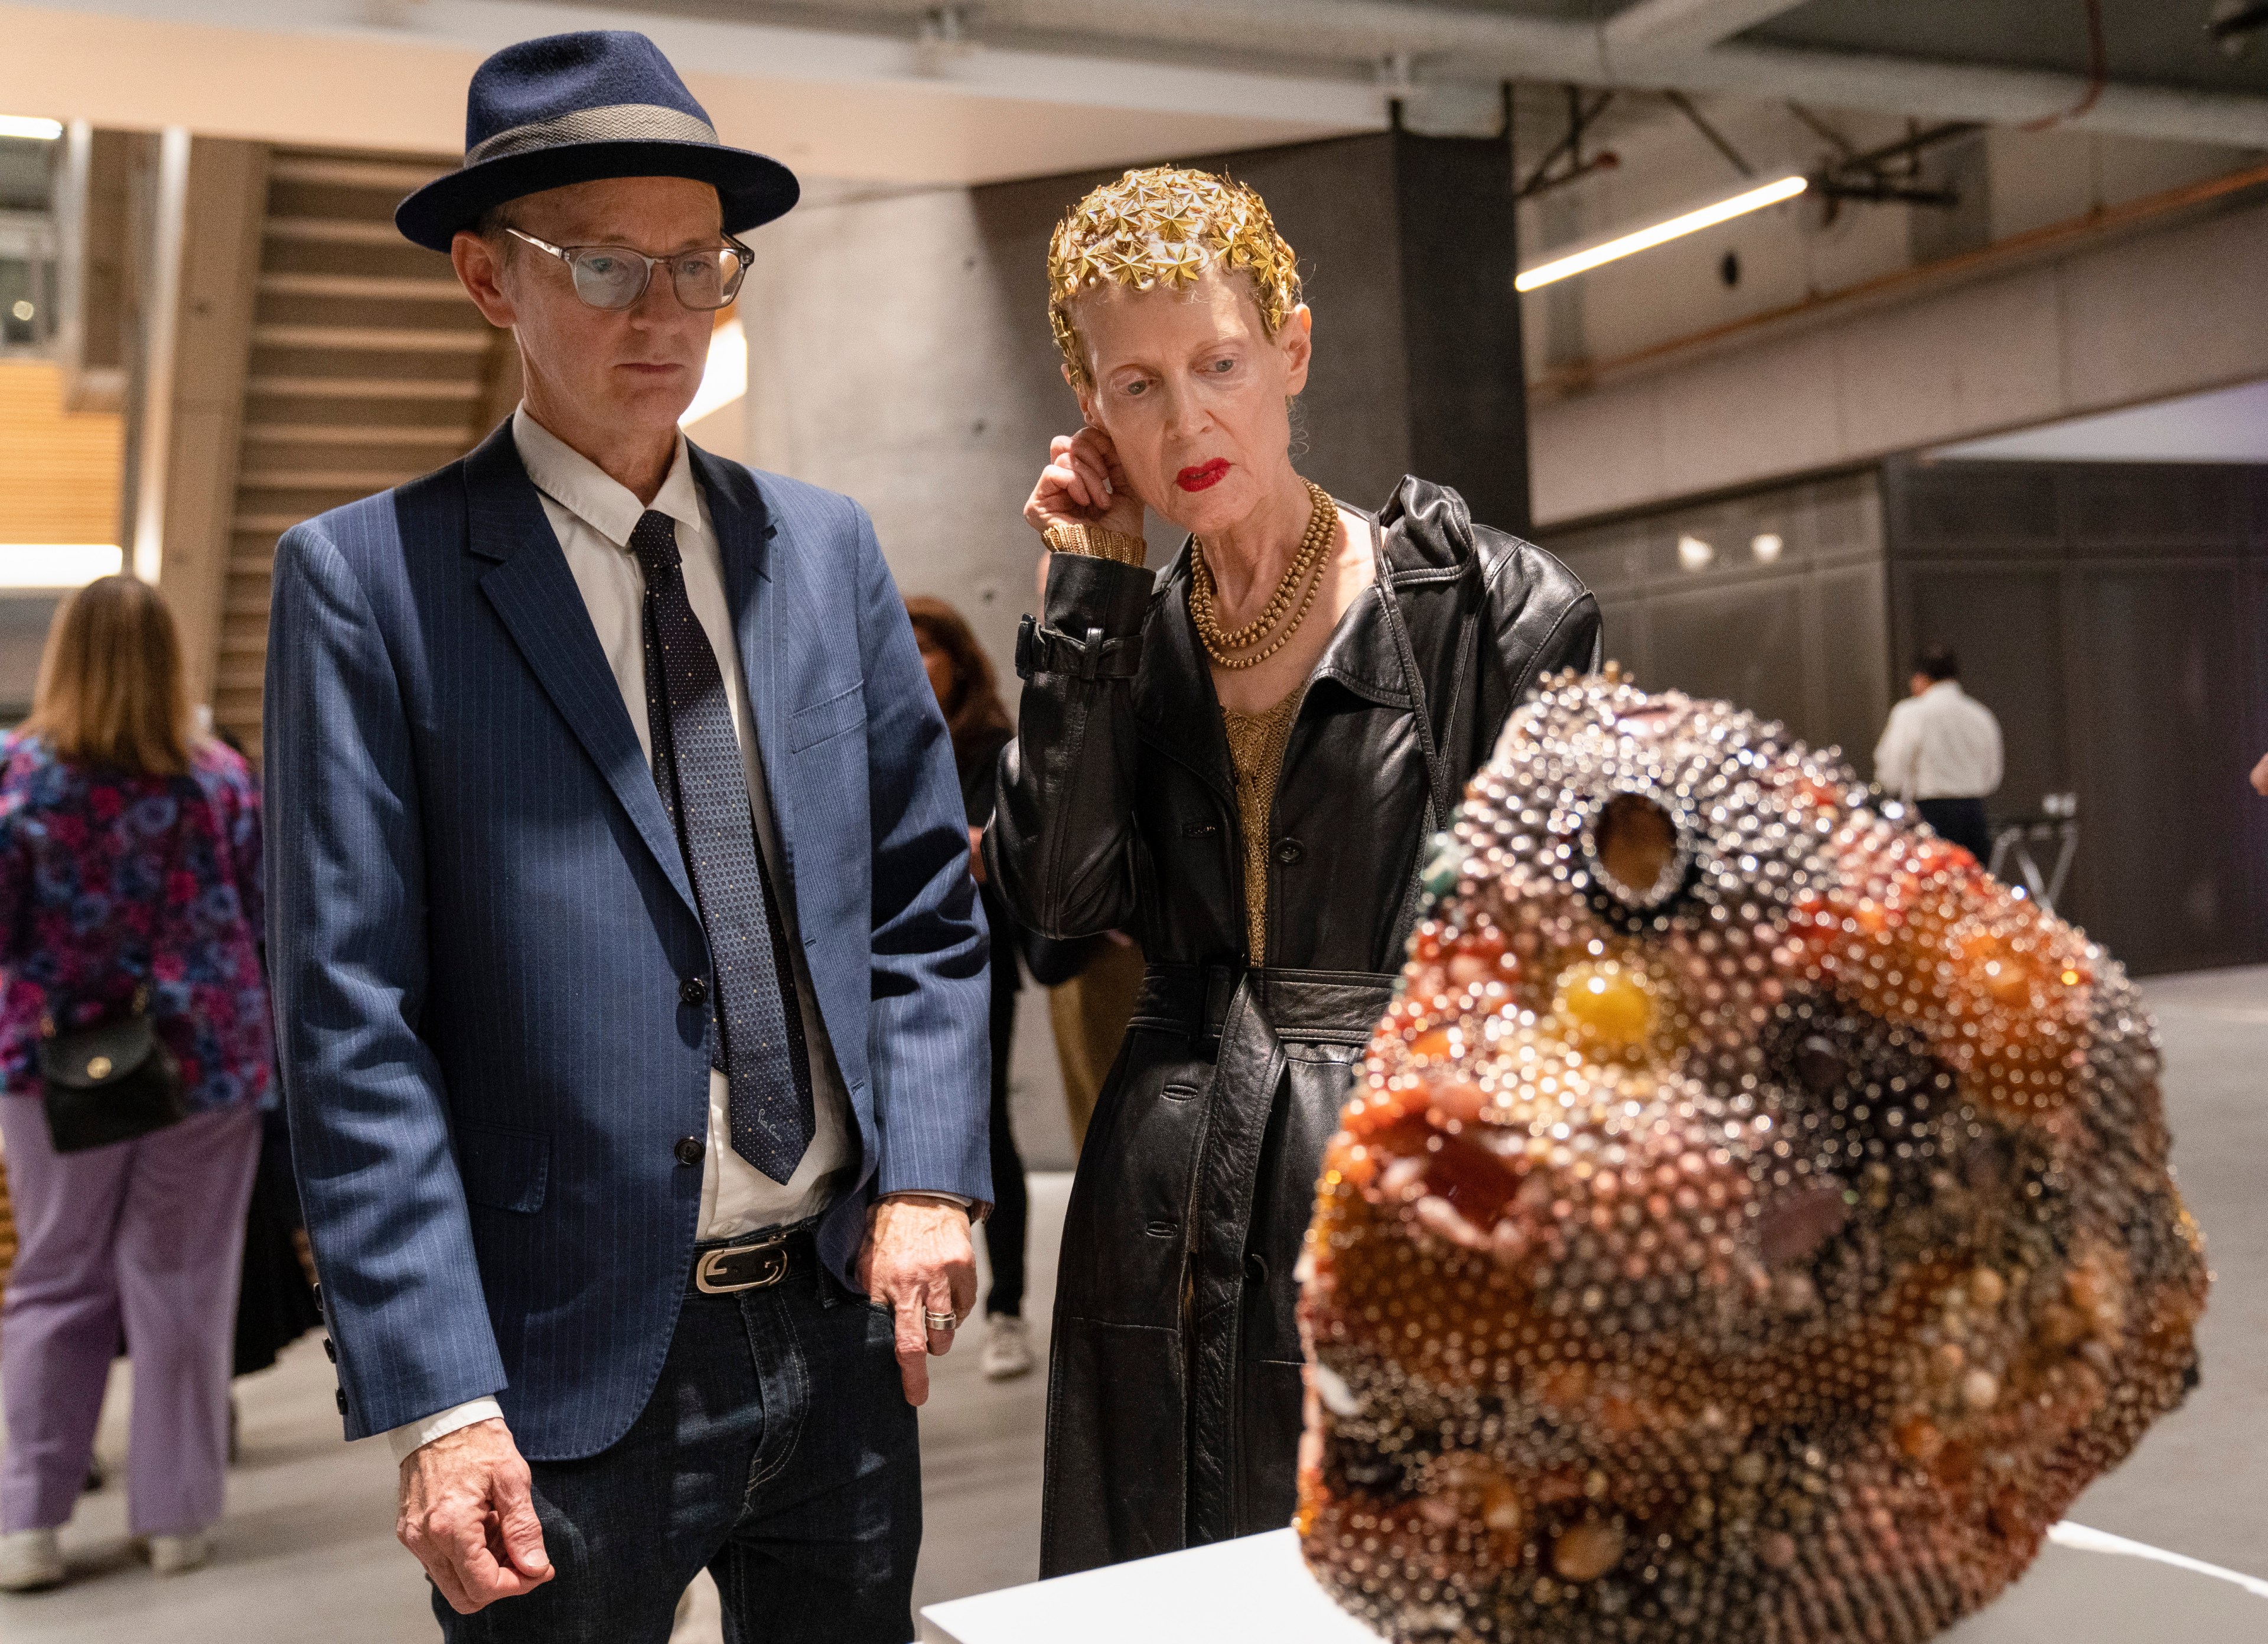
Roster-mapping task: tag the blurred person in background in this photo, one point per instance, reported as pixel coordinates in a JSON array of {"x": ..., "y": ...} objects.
[
  {"x": 130, "y": 883},
  {"x": 1941, "y": 752},
  {"x": 962, "y": 678}
]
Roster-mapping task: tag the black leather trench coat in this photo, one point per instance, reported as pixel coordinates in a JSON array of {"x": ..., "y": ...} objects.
[{"x": 1173, "y": 1399}]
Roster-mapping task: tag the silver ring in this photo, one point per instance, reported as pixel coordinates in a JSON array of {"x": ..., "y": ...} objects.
[{"x": 946, "y": 1322}]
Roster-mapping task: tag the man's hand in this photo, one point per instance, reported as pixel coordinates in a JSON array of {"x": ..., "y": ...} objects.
[
  {"x": 468, "y": 1514},
  {"x": 917, "y": 1258},
  {"x": 2260, "y": 775}
]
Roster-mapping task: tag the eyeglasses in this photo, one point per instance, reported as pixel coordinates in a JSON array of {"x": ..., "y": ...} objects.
[{"x": 615, "y": 276}]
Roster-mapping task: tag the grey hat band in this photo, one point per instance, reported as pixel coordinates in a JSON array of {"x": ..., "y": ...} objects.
[{"x": 620, "y": 122}]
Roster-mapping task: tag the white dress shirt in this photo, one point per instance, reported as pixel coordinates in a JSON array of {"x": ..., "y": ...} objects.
[
  {"x": 593, "y": 516},
  {"x": 1943, "y": 744}
]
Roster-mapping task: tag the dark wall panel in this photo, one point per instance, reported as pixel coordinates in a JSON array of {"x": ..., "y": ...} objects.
[
  {"x": 1773, "y": 600},
  {"x": 2126, "y": 652},
  {"x": 1851, "y": 633},
  {"x": 2163, "y": 755},
  {"x": 1744, "y": 644},
  {"x": 2120, "y": 509},
  {"x": 1956, "y": 509}
]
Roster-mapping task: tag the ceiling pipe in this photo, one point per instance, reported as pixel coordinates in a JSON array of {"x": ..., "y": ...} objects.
[
  {"x": 1687, "y": 25},
  {"x": 1301, "y": 36}
]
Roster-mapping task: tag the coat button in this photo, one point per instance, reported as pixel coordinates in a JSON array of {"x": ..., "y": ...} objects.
[
  {"x": 1289, "y": 851},
  {"x": 330, "y": 1350},
  {"x": 690, "y": 1150},
  {"x": 343, "y": 1400},
  {"x": 693, "y": 990}
]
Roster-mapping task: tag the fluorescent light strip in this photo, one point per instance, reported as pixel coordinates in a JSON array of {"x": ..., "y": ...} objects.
[
  {"x": 1661, "y": 234},
  {"x": 30, "y": 126},
  {"x": 56, "y": 564}
]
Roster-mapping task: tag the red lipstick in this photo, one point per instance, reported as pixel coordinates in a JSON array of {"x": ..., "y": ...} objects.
[{"x": 1204, "y": 476}]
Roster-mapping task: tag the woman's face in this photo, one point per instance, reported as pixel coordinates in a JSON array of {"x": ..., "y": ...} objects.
[
  {"x": 938, "y": 665},
  {"x": 1194, "y": 394}
]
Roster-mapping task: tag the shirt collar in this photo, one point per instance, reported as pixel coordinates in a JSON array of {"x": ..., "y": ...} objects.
[
  {"x": 593, "y": 496},
  {"x": 1943, "y": 687}
]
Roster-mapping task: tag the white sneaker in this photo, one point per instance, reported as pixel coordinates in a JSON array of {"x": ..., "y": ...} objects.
[
  {"x": 178, "y": 1555},
  {"x": 29, "y": 1561},
  {"x": 1007, "y": 1348}
]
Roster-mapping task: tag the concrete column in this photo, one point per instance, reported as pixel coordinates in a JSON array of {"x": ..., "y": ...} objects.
[
  {"x": 1461, "y": 343},
  {"x": 226, "y": 195}
]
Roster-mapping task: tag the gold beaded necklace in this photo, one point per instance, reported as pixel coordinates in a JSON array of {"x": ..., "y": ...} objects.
[{"x": 1305, "y": 570}]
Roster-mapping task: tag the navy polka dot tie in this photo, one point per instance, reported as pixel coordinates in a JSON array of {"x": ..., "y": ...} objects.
[{"x": 758, "y": 1037}]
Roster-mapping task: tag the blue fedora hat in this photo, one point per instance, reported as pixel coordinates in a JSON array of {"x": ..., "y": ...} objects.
[{"x": 575, "y": 107}]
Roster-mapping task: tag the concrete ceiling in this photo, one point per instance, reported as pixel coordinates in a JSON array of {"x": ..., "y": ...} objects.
[
  {"x": 913, "y": 91},
  {"x": 2147, "y": 43}
]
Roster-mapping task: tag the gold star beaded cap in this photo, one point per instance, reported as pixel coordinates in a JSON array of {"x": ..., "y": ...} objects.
[{"x": 1166, "y": 225}]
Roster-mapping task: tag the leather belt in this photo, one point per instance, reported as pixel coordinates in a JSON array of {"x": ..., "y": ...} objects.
[
  {"x": 1317, "y": 1006},
  {"x": 727, "y": 1266}
]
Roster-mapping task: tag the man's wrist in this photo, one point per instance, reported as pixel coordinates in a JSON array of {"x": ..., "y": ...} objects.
[
  {"x": 412, "y": 1436},
  {"x": 928, "y": 1196}
]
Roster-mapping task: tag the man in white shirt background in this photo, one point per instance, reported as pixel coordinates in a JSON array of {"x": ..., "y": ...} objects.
[{"x": 1941, "y": 752}]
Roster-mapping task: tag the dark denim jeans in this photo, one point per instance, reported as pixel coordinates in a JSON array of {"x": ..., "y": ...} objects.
[{"x": 777, "y": 1450}]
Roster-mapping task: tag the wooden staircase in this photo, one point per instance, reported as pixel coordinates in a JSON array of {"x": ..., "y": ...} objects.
[{"x": 369, "y": 367}]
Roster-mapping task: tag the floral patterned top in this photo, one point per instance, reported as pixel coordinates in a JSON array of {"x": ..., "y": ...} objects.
[{"x": 107, "y": 881}]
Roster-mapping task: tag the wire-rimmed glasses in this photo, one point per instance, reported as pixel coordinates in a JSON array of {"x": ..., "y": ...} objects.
[{"x": 615, "y": 276}]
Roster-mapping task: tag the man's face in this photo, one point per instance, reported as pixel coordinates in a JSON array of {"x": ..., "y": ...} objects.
[{"x": 634, "y": 369}]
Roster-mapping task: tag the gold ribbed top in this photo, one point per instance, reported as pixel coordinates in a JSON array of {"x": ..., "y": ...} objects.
[{"x": 1256, "y": 748}]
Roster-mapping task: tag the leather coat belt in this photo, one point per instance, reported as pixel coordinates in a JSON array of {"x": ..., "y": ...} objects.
[{"x": 1313, "y": 1007}]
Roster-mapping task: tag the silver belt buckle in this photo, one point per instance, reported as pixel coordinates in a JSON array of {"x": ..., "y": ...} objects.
[{"x": 773, "y": 1270}]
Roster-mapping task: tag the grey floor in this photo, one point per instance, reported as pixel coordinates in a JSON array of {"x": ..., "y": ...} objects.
[{"x": 307, "y": 1548}]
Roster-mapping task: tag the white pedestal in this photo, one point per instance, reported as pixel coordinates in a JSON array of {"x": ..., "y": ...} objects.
[
  {"x": 1233, "y": 1592},
  {"x": 1257, "y": 1591}
]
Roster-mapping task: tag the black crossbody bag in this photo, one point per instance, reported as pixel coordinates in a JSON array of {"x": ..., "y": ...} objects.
[{"x": 111, "y": 1083}]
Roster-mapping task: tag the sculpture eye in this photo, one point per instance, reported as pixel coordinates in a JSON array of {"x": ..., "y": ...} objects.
[{"x": 1636, "y": 854}]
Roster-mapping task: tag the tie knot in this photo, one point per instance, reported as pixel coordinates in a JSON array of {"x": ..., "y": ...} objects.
[{"x": 655, "y": 540}]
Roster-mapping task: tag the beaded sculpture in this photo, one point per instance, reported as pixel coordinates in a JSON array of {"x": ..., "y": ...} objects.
[
  {"x": 1753, "y": 1225},
  {"x": 1166, "y": 225}
]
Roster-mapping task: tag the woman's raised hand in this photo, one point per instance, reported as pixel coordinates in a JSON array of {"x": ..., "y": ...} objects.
[{"x": 1084, "y": 484}]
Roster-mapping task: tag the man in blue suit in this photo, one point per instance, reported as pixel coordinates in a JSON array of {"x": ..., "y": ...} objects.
[{"x": 627, "y": 959}]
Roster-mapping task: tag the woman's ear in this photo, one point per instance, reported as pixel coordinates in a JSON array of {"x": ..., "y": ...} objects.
[
  {"x": 1295, "y": 337},
  {"x": 1085, "y": 393}
]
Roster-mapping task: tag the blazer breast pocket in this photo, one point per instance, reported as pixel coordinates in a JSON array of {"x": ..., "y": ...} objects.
[
  {"x": 839, "y": 715},
  {"x": 503, "y": 1170}
]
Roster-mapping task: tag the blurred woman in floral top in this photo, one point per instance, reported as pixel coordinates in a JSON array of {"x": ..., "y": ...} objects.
[{"x": 130, "y": 869}]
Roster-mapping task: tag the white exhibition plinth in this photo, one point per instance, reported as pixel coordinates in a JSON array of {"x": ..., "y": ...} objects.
[
  {"x": 1246, "y": 1591},
  {"x": 2085, "y": 1589}
]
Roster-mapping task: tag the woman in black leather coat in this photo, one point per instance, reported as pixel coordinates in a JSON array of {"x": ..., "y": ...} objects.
[{"x": 1240, "y": 762}]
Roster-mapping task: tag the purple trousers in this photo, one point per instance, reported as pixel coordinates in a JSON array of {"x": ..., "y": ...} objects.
[{"x": 148, "y": 1232}]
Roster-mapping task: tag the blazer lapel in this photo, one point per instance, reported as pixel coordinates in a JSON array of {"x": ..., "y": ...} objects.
[
  {"x": 535, "y": 596},
  {"x": 749, "y": 541}
]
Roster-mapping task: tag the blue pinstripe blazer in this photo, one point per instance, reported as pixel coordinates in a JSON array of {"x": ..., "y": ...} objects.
[{"x": 479, "y": 918}]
